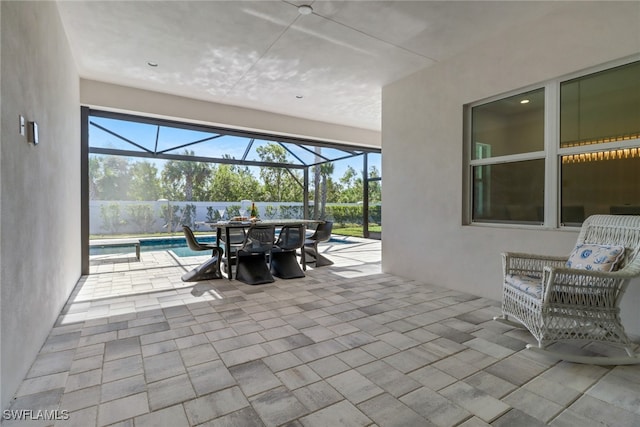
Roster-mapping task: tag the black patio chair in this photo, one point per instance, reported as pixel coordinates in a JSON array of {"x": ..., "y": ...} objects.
[
  {"x": 284, "y": 263},
  {"x": 253, "y": 258},
  {"x": 236, "y": 240},
  {"x": 322, "y": 234},
  {"x": 194, "y": 245},
  {"x": 208, "y": 270}
]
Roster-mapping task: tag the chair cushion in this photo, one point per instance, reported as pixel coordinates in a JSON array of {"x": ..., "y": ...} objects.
[
  {"x": 530, "y": 285},
  {"x": 596, "y": 257}
]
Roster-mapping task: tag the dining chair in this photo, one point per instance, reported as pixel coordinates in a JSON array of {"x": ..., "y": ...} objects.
[
  {"x": 253, "y": 258},
  {"x": 322, "y": 234},
  {"x": 208, "y": 270},
  {"x": 284, "y": 263},
  {"x": 236, "y": 239},
  {"x": 194, "y": 245}
]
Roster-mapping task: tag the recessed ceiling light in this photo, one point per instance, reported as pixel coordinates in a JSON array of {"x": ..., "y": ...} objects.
[
  {"x": 524, "y": 101},
  {"x": 299, "y": 96},
  {"x": 152, "y": 64},
  {"x": 305, "y": 9}
]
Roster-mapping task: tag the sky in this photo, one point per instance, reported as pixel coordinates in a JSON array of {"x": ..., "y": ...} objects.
[{"x": 145, "y": 135}]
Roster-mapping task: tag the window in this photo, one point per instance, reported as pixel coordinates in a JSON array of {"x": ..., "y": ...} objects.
[
  {"x": 511, "y": 191},
  {"x": 508, "y": 159},
  {"x": 569, "y": 149},
  {"x": 599, "y": 132}
]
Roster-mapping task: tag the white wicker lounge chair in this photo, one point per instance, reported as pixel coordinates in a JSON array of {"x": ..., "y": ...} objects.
[{"x": 557, "y": 303}]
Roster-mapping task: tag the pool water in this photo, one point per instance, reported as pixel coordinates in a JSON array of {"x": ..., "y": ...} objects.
[
  {"x": 178, "y": 246},
  {"x": 184, "y": 251}
]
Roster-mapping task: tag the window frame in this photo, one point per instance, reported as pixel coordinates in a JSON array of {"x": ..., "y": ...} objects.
[{"x": 552, "y": 152}]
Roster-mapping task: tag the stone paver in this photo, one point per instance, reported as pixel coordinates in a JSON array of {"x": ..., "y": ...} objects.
[{"x": 346, "y": 345}]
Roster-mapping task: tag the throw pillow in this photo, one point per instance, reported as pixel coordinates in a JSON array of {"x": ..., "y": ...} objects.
[{"x": 596, "y": 257}]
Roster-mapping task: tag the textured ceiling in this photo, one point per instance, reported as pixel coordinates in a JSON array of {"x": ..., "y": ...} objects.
[{"x": 265, "y": 55}]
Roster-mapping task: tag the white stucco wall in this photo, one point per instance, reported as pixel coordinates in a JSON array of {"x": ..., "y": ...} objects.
[
  {"x": 422, "y": 145},
  {"x": 39, "y": 185},
  {"x": 112, "y": 97}
]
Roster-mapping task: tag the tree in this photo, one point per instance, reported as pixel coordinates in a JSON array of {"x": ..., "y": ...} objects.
[
  {"x": 316, "y": 181},
  {"x": 111, "y": 219},
  {"x": 375, "y": 189},
  {"x": 142, "y": 216},
  {"x": 113, "y": 180},
  {"x": 232, "y": 183},
  {"x": 145, "y": 184},
  {"x": 171, "y": 215},
  {"x": 188, "y": 216},
  {"x": 181, "y": 177},
  {"x": 352, "y": 186},
  {"x": 95, "y": 174},
  {"x": 326, "y": 170},
  {"x": 280, "y": 184}
]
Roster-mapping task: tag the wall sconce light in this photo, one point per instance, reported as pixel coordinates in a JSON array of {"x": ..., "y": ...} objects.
[
  {"x": 32, "y": 133},
  {"x": 22, "y": 129}
]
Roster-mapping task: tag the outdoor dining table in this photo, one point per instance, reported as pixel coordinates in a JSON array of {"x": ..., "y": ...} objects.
[{"x": 227, "y": 225}]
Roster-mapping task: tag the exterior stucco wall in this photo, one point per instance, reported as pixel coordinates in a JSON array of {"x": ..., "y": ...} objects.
[
  {"x": 422, "y": 145},
  {"x": 39, "y": 185}
]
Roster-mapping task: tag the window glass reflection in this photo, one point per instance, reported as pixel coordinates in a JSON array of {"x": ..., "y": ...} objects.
[
  {"x": 597, "y": 185},
  {"x": 600, "y": 108},
  {"x": 509, "y": 192},
  {"x": 509, "y": 126}
]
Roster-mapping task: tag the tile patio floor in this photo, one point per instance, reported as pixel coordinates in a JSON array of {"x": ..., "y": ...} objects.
[{"x": 345, "y": 346}]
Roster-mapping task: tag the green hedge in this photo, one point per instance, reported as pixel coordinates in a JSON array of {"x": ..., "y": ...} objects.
[{"x": 352, "y": 214}]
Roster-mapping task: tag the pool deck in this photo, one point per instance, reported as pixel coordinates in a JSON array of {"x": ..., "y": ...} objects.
[{"x": 161, "y": 270}]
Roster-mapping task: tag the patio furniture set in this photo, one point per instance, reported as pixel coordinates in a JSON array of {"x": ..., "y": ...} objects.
[
  {"x": 556, "y": 298},
  {"x": 251, "y": 250}
]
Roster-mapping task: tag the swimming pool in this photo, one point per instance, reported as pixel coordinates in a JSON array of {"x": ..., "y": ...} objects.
[{"x": 178, "y": 245}]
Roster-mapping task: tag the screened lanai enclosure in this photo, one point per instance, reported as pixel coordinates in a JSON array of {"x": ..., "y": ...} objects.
[{"x": 148, "y": 176}]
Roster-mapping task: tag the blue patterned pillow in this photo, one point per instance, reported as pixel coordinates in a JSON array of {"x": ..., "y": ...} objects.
[{"x": 595, "y": 257}]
